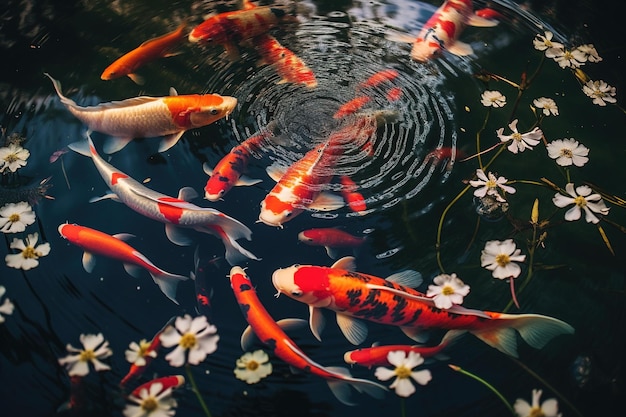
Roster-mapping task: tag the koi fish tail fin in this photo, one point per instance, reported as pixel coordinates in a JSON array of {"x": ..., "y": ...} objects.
[
  {"x": 535, "y": 329},
  {"x": 235, "y": 253},
  {"x": 340, "y": 387},
  {"x": 57, "y": 86},
  {"x": 168, "y": 283}
]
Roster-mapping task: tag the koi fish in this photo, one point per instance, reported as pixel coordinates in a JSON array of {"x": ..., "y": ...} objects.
[
  {"x": 355, "y": 296},
  {"x": 167, "y": 382},
  {"x": 351, "y": 106},
  {"x": 287, "y": 64},
  {"x": 377, "y": 355},
  {"x": 168, "y": 117},
  {"x": 330, "y": 239},
  {"x": 96, "y": 242},
  {"x": 351, "y": 196},
  {"x": 378, "y": 78},
  {"x": 441, "y": 32},
  {"x": 394, "y": 94},
  {"x": 175, "y": 212},
  {"x": 272, "y": 334},
  {"x": 150, "y": 50}
]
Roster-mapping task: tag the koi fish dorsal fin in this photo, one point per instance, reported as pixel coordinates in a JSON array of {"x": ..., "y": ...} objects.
[
  {"x": 173, "y": 91},
  {"x": 187, "y": 194},
  {"x": 353, "y": 329},
  {"x": 475, "y": 20},
  {"x": 460, "y": 48},
  {"x": 408, "y": 278},
  {"x": 347, "y": 262}
]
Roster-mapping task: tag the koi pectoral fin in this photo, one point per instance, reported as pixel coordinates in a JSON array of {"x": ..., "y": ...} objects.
[
  {"x": 89, "y": 261},
  {"x": 176, "y": 235},
  {"x": 460, "y": 48},
  {"x": 353, "y": 329},
  {"x": 113, "y": 145},
  {"x": 169, "y": 141}
]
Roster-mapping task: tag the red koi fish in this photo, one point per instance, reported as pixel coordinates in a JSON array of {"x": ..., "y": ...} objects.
[
  {"x": 394, "y": 94},
  {"x": 230, "y": 28},
  {"x": 330, "y": 239},
  {"x": 96, "y": 242},
  {"x": 352, "y": 197},
  {"x": 168, "y": 117},
  {"x": 148, "y": 51},
  {"x": 167, "y": 382},
  {"x": 272, "y": 334},
  {"x": 441, "y": 32},
  {"x": 287, "y": 64},
  {"x": 355, "y": 296},
  {"x": 491, "y": 14},
  {"x": 377, "y": 355},
  {"x": 351, "y": 106},
  {"x": 174, "y": 212},
  {"x": 380, "y": 77}
]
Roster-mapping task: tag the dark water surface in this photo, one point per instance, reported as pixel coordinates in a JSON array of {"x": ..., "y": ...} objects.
[{"x": 576, "y": 277}]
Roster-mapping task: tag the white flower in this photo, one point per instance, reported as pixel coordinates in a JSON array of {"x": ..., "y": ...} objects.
[
  {"x": 571, "y": 59},
  {"x": 590, "y": 52},
  {"x": 568, "y": 152},
  {"x": 500, "y": 257},
  {"x": 154, "y": 402},
  {"x": 600, "y": 92},
  {"x": 548, "y": 408},
  {"x": 252, "y": 367},
  {"x": 7, "y": 306},
  {"x": 545, "y": 43},
  {"x": 403, "y": 372},
  {"x": 520, "y": 141},
  {"x": 449, "y": 290},
  {"x": 29, "y": 253},
  {"x": 194, "y": 335},
  {"x": 548, "y": 105},
  {"x": 95, "y": 348},
  {"x": 581, "y": 198},
  {"x": 492, "y": 99},
  {"x": 490, "y": 185},
  {"x": 13, "y": 157},
  {"x": 137, "y": 352},
  {"x": 14, "y": 217}
]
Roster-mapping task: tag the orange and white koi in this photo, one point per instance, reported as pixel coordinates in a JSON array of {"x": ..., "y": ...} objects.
[
  {"x": 272, "y": 334},
  {"x": 354, "y": 296},
  {"x": 287, "y": 64},
  {"x": 167, "y": 382},
  {"x": 441, "y": 32},
  {"x": 152, "y": 49},
  {"x": 379, "y": 77},
  {"x": 174, "y": 212},
  {"x": 93, "y": 241},
  {"x": 351, "y": 195},
  {"x": 168, "y": 117},
  {"x": 331, "y": 239}
]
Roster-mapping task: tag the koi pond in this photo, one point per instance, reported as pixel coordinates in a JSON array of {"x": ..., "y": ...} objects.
[{"x": 312, "y": 208}]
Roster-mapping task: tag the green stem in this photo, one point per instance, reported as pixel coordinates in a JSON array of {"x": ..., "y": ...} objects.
[
  {"x": 480, "y": 131},
  {"x": 402, "y": 407},
  {"x": 194, "y": 388},
  {"x": 440, "y": 226},
  {"x": 487, "y": 384}
]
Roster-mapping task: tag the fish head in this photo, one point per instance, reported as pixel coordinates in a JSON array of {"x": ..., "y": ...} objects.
[
  {"x": 425, "y": 49},
  {"x": 211, "y": 107},
  {"x": 305, "y": 283},
  {"x": 275, "y": 212},
  {"x": 67, "y": 230},
  {"x": 310, "y": 236},
  {"x": 215, "y": 189}
]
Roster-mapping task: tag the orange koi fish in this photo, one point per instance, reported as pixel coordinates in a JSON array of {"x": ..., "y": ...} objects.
[
  {"x": 150, "y": 50},
  {"x": 168, "y": 117},
  {"x": 96, "y": 242},
  {"x": 351, "y": 106},
  {"x": 394, "y": 94},
  {"x": 379, "y": 78},
  {"x": 330, "y": 239},
  {"x": 355, "y": 199},
  {"x": 377, "y": 355},
  {"x": 167, "y": 382},
  {"x": 272, "y": 334},
  {"x": 355, "y": 296},
  {"x": 287, "y": 64}
]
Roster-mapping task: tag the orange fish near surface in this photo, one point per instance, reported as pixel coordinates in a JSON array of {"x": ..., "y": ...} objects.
[
  {"x": 379, "y": 78},
  {"x": 355, "y": 199},
  {"x": 330, "y": 238},
  {"x": 144, "y": 117},
  {"x": 148, "y": 51},
  {"x": 287, "y": 64},
  {"x": 351, "y": 106}
]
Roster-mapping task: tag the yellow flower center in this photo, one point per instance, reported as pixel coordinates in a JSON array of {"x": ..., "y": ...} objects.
[
  {"x": 252, "y": 365},
  {"x": 13, "y": 218},
  {"x": 149, "y": 404},
  {"x": 143, "y": 348},
  {"x": 29, "y": 253},
  {"x": 567, "y": 153},
  {"x": 503, "y": 259},
  {"x": 580, "y": 201},
  {"x": 11, "y": 157},
  {"x": 491, "y": 183},
  {"x": 403, "y": 372},
  {"x": 447, "y": 290},
  {"x": 87, "y": 355},
  {"x": 188, "y": 341},
  {"x": 536, "y": 412},
  {"x": 517, "y": 136}
]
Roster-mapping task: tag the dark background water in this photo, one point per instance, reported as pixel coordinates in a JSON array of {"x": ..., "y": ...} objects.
[{"x": 58, "y": 301}]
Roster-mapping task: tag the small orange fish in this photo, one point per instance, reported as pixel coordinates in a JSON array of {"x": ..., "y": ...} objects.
[
  {"x": 331, "y": 239},
  {"x": 288, "y": 65},
  {"x": 355, "y": 199},
  {"x": 148, "y": 51},
  {"x": 351, "y": 107},
  {"x": 379, "y": 78},
  {"x": 394, "y": 94}
]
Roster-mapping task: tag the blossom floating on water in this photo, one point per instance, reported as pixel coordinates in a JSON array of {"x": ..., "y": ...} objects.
[
  {"x": 447, "y": 291},
  {"x": 544, "y": 43},
  {"x": 251, "y": 367},
  {"x": 547, "y": 105},
  {"x": 14, "y": 217},
  {"x": 501, "y": 257},
  {"x": 13, "y": 157},
  {"x": 520, "y": 141},
  {"x": 29, "y": 255},
  {"x": 137, "y": 352},
  {"x": 590, "y": 52},
  {"x": 581, "y": 198},
  {"x": 548, "y": 408},
  {"x": 567, "y": 58},
  {"x": 94, "y": 349},
  {"x": 194, "y": 335},
  {"x": 7, "y": 306},
  {"x": 151, "y": 402},
  {"x": 492, "y": 99},
  {"x": 403, "y": 372},
  {"x": 600, "y": 92},
  {"x": 568, "y": 152},
  {"x": 490, "y": 185}
]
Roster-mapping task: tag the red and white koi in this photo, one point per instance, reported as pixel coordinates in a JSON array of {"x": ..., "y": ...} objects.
[
  {"x": 93, "y": 241},
  {"x": 152, "y": 49},
  {"x": 287, "y": 64},
  {"x": 331, "y": 239},
  {"x": 167, "y": 382},
  {"x": 175, "y": 212},
  {"x": 441, "y": 32},
  {"x": 272, "y": 334},
  {"x": 168, "y": 117},
  {"x": 354, "y": 296}
]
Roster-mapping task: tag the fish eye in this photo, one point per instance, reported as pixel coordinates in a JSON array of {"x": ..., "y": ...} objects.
[
  {"x": 287, "y": 214},
  {"x": 214, "y": 111},
  {"x": 296, "y": 293}
]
